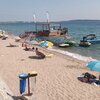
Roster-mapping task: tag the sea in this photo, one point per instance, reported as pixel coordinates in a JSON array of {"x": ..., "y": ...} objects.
[{"x": 76, "y": 29}]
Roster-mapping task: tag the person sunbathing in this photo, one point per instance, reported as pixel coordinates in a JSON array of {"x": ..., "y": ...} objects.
[
  {"x": 39, "y": 54},
  {"x": 27, "y": 48},
  {"x": 87, "y": 78}
]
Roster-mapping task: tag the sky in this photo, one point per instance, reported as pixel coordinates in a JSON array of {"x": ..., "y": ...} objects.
[{"x": 59, "y": 10}]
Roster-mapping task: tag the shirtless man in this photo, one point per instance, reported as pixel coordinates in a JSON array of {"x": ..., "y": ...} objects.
[{"x": 39, "y": 54}]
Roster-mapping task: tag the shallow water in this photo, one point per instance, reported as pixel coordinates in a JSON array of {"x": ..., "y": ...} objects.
[{"x": 77, "y": 29}]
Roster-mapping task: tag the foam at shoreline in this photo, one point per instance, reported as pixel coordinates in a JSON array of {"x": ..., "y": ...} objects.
[{"x": 74, "y": 55}]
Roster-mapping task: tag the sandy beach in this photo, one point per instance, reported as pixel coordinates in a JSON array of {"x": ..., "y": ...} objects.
[{"x": 57, "y": 75}]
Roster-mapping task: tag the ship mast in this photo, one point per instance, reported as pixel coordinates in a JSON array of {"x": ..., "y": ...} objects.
[
  {"x": 48, "y": 19},
  {"x": 35, "y": 22}
]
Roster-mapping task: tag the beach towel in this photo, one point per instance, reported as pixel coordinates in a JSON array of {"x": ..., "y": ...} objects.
[{"x": 49, "y": 55}]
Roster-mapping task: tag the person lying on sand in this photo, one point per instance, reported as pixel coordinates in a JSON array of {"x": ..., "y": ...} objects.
[
  {"x": 27, "y": 48},
  {"x": 87, "y": 78},
  {"x": 39, "y": 54}
]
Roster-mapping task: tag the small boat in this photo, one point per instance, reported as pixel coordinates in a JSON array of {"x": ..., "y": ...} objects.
[
  {"x": 96, "y": 40},
  {"x": 88, "y": 40},
  {"x": 84, "y": 43},
  {"x": 91, "y": 38},
  {"x": 54, "y": 33},
  {"x": 64, "y": 45},
  {"x": 47, "y": 31},
  {"x": 71, "y": 43}
]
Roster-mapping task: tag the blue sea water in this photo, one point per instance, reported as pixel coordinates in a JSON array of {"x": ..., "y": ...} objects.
[{"x": 77, "y": 29}]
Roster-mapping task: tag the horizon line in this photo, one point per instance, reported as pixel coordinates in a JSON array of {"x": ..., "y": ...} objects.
[{"x": 51, "y": 21}]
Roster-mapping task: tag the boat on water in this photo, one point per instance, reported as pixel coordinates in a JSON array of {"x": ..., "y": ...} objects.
[
  {"x": 63, "y": 45},
  {"x": 96, "y": 40},
  {"x": 91, "y": 38},
  {"x": 88, "y": 40},
  {"x": 48, "y": 31},
  {"x": 84, "y": 43}
]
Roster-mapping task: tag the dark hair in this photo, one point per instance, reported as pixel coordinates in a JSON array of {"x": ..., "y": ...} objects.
[
  {"x": 33, "y": 48},
  {"x": 87, "y": 75},
  {"x": 36, "y": 48}
]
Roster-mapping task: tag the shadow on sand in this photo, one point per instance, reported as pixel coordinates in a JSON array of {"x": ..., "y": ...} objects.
[
  {"x": 18, "y": 97},
  {"x": 35, "y": 57},
  {"x": 12, "y": 46}
]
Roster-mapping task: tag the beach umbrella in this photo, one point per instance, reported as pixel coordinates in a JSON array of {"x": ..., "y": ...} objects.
[
  {"x": 46, "y": 43},
  {"x": 94, "y": 65}
]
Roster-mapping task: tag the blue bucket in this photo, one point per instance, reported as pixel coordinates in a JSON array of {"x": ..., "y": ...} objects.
[{"x": 23, "y": 82}]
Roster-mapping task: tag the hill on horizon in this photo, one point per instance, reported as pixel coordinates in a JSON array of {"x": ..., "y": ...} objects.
[{"x": 69, "y": 21}]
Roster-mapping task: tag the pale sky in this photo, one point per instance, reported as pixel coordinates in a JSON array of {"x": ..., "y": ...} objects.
[{"x": 59, "y": 10}]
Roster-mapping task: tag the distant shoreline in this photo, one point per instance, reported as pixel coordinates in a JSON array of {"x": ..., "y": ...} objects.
[{"x": 74, "y": 20}]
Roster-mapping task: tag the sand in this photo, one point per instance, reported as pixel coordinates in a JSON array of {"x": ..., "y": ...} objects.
[
  {"x": 57, "y": 75},
  {"x": 4, "y": 91}
]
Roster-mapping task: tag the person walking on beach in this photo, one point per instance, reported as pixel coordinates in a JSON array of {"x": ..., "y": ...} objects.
[{"x": 39, "y": 54}]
